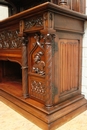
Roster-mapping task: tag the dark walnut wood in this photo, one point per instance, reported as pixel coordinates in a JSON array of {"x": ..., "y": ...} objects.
[
  {"x": 20, "y": 5},
  {"x": 40, "y": 64}
]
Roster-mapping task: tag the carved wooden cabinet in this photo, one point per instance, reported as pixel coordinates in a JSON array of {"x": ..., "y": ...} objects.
[{"x": 40, "y": 64}]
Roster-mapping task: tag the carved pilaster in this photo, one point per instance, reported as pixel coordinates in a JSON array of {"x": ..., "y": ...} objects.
[{"x": 24, "y": 67}]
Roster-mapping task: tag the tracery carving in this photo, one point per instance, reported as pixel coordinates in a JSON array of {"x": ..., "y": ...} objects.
[
  {"x": 38, "y": 87},
  {"x": 34, "y": 22},
  {"x": 10, "y": 39},
  {"x": 38, "y": 90}
]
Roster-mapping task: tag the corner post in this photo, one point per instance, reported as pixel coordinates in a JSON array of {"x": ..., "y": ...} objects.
[
  {"x": 49, "y": 35},
  {"x": 49, "y": 70}
]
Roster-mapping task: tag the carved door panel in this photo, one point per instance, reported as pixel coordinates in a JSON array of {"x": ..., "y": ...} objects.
[
  {"x": 69, "y": 57},
  {"x": 36, "y": 71}
]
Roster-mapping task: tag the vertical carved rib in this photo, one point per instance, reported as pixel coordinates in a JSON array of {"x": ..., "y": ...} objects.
[
  {"x": 69, "y": 62},
  {"x": 48, "y": 78},
  {"x": 24, "y": 68}
]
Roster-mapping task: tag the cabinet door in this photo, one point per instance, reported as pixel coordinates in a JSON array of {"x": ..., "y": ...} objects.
[{"x": 36, "y": 69}]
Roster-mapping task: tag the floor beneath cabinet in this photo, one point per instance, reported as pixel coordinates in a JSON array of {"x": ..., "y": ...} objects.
[{"x": 11, "y": 120}]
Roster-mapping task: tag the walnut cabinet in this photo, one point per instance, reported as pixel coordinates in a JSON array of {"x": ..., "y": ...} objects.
[{"x": 40, "y": 64}]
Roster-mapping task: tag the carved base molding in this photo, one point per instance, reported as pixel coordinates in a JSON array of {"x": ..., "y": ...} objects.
[{"x": 43, "y": 117}]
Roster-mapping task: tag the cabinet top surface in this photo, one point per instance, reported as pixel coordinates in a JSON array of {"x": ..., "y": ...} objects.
[{"x": 47, "y": 6}]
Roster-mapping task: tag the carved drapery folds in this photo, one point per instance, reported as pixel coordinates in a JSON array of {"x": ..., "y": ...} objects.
[
  {"x": 10, "y": 40},
  {"x": 69, "y": 58}
]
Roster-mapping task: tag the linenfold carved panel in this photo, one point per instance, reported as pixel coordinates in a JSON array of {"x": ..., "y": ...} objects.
[
  {"x": 10, "y": 39},
  {"x": 69, "y": 61}
]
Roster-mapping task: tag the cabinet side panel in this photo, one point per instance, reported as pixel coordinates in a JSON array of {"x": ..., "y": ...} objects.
[{"x": 69, "y": 65}]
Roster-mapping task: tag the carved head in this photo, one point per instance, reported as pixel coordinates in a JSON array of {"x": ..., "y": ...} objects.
[{"x": 37, "y": 57}]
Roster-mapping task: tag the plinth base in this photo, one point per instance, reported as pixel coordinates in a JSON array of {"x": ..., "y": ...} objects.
[{"x": 47, "y": 119}]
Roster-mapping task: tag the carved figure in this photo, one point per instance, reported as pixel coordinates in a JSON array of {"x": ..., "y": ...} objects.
[{"x": 39, "y": 65}]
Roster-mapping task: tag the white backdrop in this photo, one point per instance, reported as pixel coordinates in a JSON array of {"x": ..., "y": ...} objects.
[{"x": 3, "y": 12}]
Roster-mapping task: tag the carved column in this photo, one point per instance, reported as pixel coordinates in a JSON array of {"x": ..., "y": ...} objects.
[
  {"x": 24, "y": 60},
  {"x": 49, "y": 38},
  {"x": 48, "y": 69},
  {"x": 24, "y": 68}
]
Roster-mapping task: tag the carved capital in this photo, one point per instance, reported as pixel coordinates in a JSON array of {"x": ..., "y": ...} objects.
[{"x": 49, "y": 38}]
